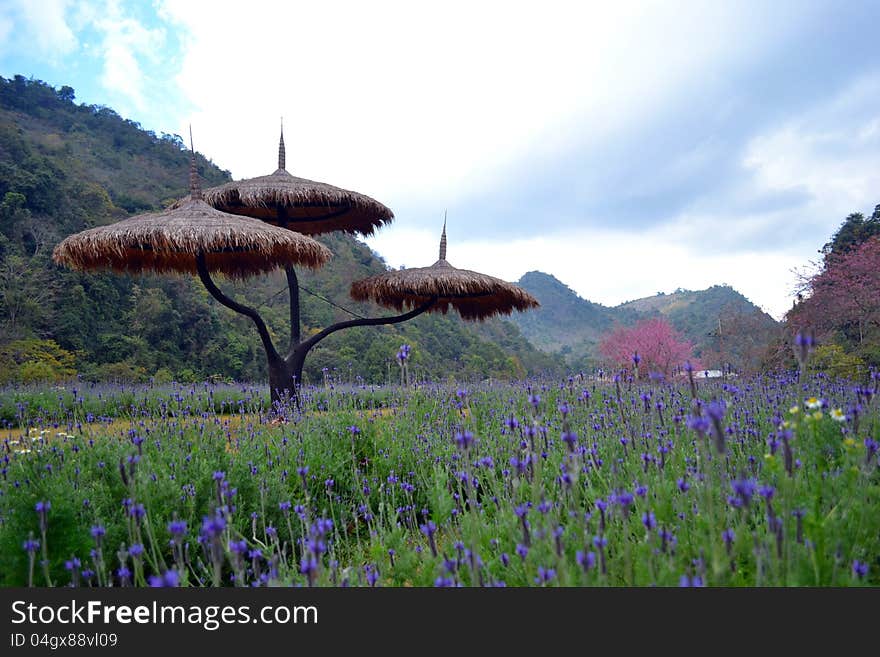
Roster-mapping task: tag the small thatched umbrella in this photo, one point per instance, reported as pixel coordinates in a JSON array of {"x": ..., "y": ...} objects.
[
  {"x": 475, "y": 296},
  {"x": 305, "y": 206},
  {"x": 169, "y": 241}
]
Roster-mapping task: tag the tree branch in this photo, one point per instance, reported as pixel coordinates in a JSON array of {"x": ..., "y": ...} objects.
[
  {"x": 304, "y": 347},
  {"x": 293, "y": 286},
  {"x": 215, "y": 291}
]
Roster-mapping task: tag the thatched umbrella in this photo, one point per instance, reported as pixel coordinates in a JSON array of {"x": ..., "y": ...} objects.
[
  {"x": 169, "y": 241},
  {"x": 305, "y": 206},
  {"x": 475, "y": 296}
]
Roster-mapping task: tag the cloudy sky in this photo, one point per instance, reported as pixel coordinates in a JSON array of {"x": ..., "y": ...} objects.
[{"x": 625, "y": 147}]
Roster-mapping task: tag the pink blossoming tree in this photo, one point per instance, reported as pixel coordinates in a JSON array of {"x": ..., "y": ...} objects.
[{"x": 652, "y": 344}]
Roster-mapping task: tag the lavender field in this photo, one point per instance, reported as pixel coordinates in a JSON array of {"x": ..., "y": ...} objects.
[{"x": 766, "y": 481}]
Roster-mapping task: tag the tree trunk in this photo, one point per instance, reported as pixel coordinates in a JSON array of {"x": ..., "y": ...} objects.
[
  {"x": 285, "y": 373},
  {"x": 283, "y": 387}
]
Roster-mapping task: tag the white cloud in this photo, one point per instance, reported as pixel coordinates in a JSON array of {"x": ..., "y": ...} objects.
[
  {"x": 125, "y": 42},
  {"x": 836, "y": 159},
  {"x": 430, "y": 102},
  {"x": 40, "y": 27}
]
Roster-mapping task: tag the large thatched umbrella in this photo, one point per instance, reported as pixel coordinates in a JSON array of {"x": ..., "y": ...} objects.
[
  {"x": 169, "y": 241},
  {"x": 193, "y": 237},
  {"x": 475, "y": 296},
  {"x": 306, "y": 206}
]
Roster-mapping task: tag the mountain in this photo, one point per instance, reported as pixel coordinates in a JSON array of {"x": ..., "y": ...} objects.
[
  {"x": 565, "y": 322},
  {"x": 723, "y": 325},
  {"x": 65, "y": 167},
  {"x": 573, "y": 327}
]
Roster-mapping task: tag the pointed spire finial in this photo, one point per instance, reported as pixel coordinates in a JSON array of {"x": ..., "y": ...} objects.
[
  {"x": 195, "y": 190},
  {"x": 282, "y": 156},
  {"x": 443, "y": 239}
]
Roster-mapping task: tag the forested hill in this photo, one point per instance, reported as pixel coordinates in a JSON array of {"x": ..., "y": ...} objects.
[
  {"x": 565, "y": 322},
  {"x": 65, "y": 167},
  {"x": 572, "y": 326}
]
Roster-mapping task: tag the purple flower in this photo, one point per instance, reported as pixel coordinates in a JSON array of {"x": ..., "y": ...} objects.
[
  {"x": 859, "y": 568},
  {"x": 715, "y": 410},
  {"x": 464, "y": 440},
  {"x": 169, "y": 578},
  {"x": 744, "y": 489},
  {"x": 136, "y": 550},
  {"x": 177, "y": 527},
  {"x": 372, "y": 574},
  {"x": 522, "y": 551},
  {"x": 767, "y": 492},
  {"x": 309, "y": 567},
  {"x": 728, "y": 536},
  {"x": 545, "y": 575},
  {"x": 683, "y": 485},
  {"x": 212, "y": 527},
  {"x": 42, "y": 509},
  {"x": 649, "y": 520},
  {"x": 624, "y": 500},
  {"x": 687, "y": 581},
  {"x": 30, "y": 546},
  {"x": 586, "y": 560},
  {"x": 698, "y": 423}
]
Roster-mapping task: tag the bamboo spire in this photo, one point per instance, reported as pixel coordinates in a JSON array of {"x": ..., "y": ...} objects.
[
  {"x": 443, "y": 239},
  {"x": 195, "y": 189},
  {"x": 282, "y": 156}
]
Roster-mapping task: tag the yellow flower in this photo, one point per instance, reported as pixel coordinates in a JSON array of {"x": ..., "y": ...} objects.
[
  {"x": 769, "y": 457},
  {"x": 817, "y": 415},
  {"x": 849, "y": 442},
  {"x": 838, "y": 415},
  {"x": 794, "y": 409},
  {"x": 813, "y": 403}
]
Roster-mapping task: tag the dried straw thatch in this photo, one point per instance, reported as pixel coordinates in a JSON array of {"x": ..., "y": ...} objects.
[
  {"x": 169, "y": 241},
  {"x": 474, "y": 295},
  {"x": 304, "y": 206}
]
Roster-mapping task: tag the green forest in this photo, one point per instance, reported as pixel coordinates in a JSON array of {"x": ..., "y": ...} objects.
[{"x": 65, "y": 167}]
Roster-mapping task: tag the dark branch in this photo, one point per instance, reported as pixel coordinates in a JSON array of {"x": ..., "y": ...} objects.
[
  {"x": 237, "y": 307},
  {"x": 366, "y": 321},
  {"x": 293, "y": 284}
]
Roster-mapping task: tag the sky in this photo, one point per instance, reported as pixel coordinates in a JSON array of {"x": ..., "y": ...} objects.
[{"x": 627, "y": 148}]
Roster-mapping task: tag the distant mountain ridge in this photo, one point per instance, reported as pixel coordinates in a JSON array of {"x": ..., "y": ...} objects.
[{"x": 573, "y": 327}]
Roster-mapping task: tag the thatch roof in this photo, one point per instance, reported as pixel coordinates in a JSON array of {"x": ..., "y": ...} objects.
[
  {"x": 302, "y": 205},
  {"x": 474, "y": 295},
  {"x": 168, "y": 241}
]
